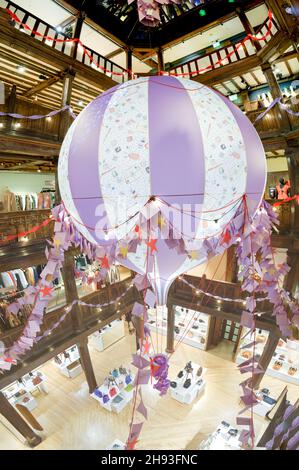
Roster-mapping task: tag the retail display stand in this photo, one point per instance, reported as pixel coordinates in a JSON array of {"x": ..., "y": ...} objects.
[
  {"x": 117, "y": 390},
  {"x": 284, "y": 364},
  {"x": 196, "y": 387},
  {"x": 192, "y": 327},
  {"x": 266, "y": 403},
  {"x": 117, "y": 445},
  {"x": 68, "y": 362},
  {"x": 20, "y": 392},
  {"x": 226, "y": 437},
  {"x": 108, "y": 335}
]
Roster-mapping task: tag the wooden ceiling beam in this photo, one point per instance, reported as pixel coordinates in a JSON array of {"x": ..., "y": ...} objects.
[
  {"x": 45, "y": 84},
  {"x": 26, "y": 164}
]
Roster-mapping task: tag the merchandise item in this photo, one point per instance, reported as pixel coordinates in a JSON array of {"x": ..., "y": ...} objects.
[
  {"x": 173, "y": 384},
  {"x": 122, "y": 370},
  {"x": 128, "y": 379},
  {"x": 115, "y": 373},
  {"x": 269, "y": 400},
  {"x": 112, "y": 392},
  {"x": 98, "y": 393},
  {"x": 106, "y": 399},
  {"x": 176, "y": 330},
  {"x": 117, "y": 399},
  {"x": 189, "y": 368},
  {"x": 277, "y": 365},
  {"x": 187, "y": 383},
  {"x": 129, "y": 388},
  {"x": 199, "y": 372},
  {"x": 292, "y": 371},
  {"x": 180, "y": 374}
]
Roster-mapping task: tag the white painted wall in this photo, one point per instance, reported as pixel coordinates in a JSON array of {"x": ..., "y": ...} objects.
[{"x": 20, "y": 182}]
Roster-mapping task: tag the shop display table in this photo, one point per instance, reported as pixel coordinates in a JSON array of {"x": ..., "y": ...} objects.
[
  {"x": 195, "y": 323},
  {"x": 108, "y": 335},
  {"x": 20, "y": 392},
  {"x": 117, "y": 445},
  {"x": 188, "y": 395},
  {"x": 115, "y": 396},
  {"x": 69, "y": 366},
  {"x": 265, "y": 404},
  {"x": 226, "y": 437}
]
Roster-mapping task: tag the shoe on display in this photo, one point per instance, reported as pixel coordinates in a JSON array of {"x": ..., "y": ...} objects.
[
  {"x": 199, "y": 382},
  {"x": 180, "y": 374},
  {"x": 176, "y": 330},
  {"x": 173, "y": 384},
  {"x": 199, "y": 372},
  {"x": 187, "y": 383},
  {"x": 188, "y": 367}
]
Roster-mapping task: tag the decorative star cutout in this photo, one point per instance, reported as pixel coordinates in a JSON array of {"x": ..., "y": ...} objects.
[
  {"x": 192, "y": 254},
  {"x": 137, "y": 228},
  {"x": 146, "y": 346},
  {"x": 45, "y": 291},
  {"x": 123, "y": 250},
  {"x": 226, "y": 237},
  {"x": 152, "y": 245},
  {"x": 105, "y": 262},
  {"x": 57, "y": 243},
  {"x": 161, "y": 221}
]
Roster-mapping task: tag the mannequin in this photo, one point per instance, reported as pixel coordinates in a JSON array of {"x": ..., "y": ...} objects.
[{"x": 283, "y": 189}]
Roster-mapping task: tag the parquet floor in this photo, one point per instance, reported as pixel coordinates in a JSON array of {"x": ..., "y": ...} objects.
[{"x": 73, "y": 420}]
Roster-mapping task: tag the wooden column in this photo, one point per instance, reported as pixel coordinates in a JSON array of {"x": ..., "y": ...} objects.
[
  {"x": 78, "y": 30},
  {"x": 170, "y": 328},
  {"x": 65, "y": 118},
  {"x": 292, "y": 277},
  {"x": 231, "y": 265},
  {"x": 87, "y": 365},
  {"x": 276, "y": 93},
  {"x": 248, "y": 27},
  {"x": 293, "y": 170},
  {"x": 129, "y": 62},
  {"x": 12, "y": 101},
  {"x": 160, "y": 60},
  {"x": 265, "y": 358},
  {"x": 71, "y": 292},
  {"x": 16, "y": 420}
]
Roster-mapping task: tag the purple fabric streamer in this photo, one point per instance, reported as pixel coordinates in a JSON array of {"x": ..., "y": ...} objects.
[
  {"x": 41, "y": 116},
  {"x": 159, "y": 368}
]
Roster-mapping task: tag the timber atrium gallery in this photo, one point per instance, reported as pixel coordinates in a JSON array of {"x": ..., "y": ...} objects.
[{"x": 149, "y": 226}]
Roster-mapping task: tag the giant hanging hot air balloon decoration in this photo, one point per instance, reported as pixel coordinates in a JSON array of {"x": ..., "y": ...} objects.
[{"x": 164, "y": 142}]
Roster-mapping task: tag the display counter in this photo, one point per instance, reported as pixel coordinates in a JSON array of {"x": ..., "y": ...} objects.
[
  {"x": 188, "y": 384},
  {"x": 21, "y": 392},
  {"x": 284, "y": 364},
  {"x": 192, "y": 327},
  {"x": 226, "y": 437},
  {"x": 117, "y": 390},
  {"x": 68, "y": 362}
]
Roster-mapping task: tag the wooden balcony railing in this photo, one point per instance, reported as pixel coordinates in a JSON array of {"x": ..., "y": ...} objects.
[
  {"x": 45, "y": 30},
  {"x": 47, "y": 129},
  {"x": 13, "y": 223},
  {"x": 230, "y": 54}
]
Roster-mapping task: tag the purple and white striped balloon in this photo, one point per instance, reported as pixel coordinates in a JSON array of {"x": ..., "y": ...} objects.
[{"x": 164, "y": 136}]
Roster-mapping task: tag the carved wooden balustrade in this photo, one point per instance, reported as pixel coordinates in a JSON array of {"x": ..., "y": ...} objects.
[
  {"x": 229, "y": 54},
  {"x": 45, "y": 34},
  {"x": 14, "y": 223}
]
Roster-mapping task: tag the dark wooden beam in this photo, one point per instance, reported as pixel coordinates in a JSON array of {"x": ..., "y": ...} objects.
[
  {"x": 87, "y": 364},
  {"x": 16, "y": 420},
  {"x": 114, "y": 53},
  {"x": 170, "y": 328},
  {"x": 43, "y": 85}
]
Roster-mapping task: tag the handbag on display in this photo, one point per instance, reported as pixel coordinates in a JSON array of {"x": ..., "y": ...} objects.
[
  {"x": 187, "y": 383},
  {"x": 36, "y": 380},
  {"x": 106, "y": 399},
  {"x": 199, "y": 372},
  {"x": 122, "y": 370},
  {"x": 189, "y": 368},
  {"x": 128, "y": 379},
  {"x": 98, "y": 393},
  {"x": 112, "y": 392},
  {"x": 115, "y": 373}
]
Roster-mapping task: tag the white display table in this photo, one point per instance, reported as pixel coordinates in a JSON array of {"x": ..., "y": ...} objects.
[
  {"x": 20, "y": 392},
  {"x": 121, "y": 397},
  {"x": 69, "y": 367},
  {"x": 117, "y": 445},
  {"x": 195, "y": 323},
  {"x": 188, "y": 395},
  {"x": 263, "y": 407},
  {"x": 108, "y": 335},
  {"x": 225, "y": 437}
]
